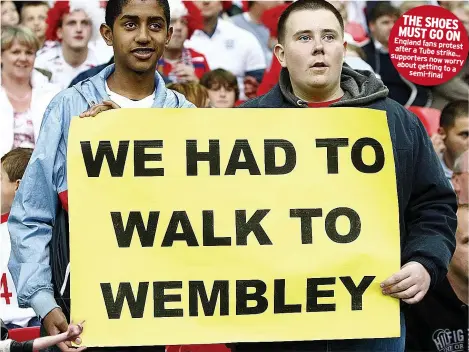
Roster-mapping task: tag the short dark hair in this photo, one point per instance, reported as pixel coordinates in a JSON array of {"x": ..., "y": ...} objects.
[
  {"x": 306, "y": 5},
  {"x": 15, "y": 161},
  {"x": 220, "y": 78},
  {"x": 114, "y": 9},
  {"x": 383, "y": 9},
  {"x": 452, "y": 111}
]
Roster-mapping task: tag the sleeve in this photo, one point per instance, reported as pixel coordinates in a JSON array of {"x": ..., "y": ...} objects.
[
  {"x": 21, "y": 346},
  {"x": 33, "y": 213},
  {"x": 430, "y": 216},
  {"x": 255, "y": 59},
  {"x": 455, "y": 89}
]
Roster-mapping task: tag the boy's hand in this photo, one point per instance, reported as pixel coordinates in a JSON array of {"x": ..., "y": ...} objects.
[
  {"x": 410, "y": 284},
  {"x": 96, "y": 109},
  {"x": 74, "y": 331}
]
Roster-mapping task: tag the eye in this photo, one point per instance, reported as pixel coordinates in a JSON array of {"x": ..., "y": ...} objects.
[
  {"x": 304, "y": 38},
  {"x": 329, "y": 37},
  {"x": 155, "y": 26},
  {"x": 130, "y": 25},
  {"x": 465, "y": 135}
]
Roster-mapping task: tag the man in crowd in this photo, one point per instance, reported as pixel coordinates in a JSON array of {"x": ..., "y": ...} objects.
[
  {"x": 452, "y": 138},
  {"x": 381, "y": 21},
  {"x": 311, "y": 50},
  {"x": 138, "y": 31},
  {"x": 227, "y": 46},
  {"x": 70, "y": 30},
  {"x": 181, "y": 64},
  {"x": 33, "y": 16},
  {"x": 13, "y": 165},
  {"x": 439, "y": 323}
]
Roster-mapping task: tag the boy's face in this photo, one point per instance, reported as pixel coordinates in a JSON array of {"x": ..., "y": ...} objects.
[
  {"x": 313, "y": 49},
  {"x": 381, "y": 28},
  {"x": 456, "y": 137},
  {"x": 34, "y": 17},
  {"x": 10, "y": 16},
  {"x": 139, "y": 35},
  {"x": 8, "y": 190}
]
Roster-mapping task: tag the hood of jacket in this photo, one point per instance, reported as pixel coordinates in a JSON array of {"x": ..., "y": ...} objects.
[
  {"x": 360, "y": 88},
  {"x": 93, "y": 90}
]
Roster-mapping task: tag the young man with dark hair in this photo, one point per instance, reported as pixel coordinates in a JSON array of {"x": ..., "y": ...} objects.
[
  {"x": 311, "y": 50},
  {"x": 138, "y": 31},
  {"x": 381, "y": 19},
  {"x": 452, "y": 138}
]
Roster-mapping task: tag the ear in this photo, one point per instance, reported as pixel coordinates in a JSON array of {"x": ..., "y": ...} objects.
[
  {"x": 345, "y": 49},
  {"x": 442, "y": 132},
  {"x": 169, "y": 35},
  {"x": 59, "y": 33},
  {"x": 106, "y": 33},
  {"x": 17, "y": 184},
  {"x": 279, "y": 52}
]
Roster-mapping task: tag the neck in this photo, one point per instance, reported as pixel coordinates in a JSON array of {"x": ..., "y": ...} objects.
[
  {"x": 42, "y": 40},
  {"x": 15, "y": 84},
  {"x": 130, "y": 84},
  {"x": 210, "y": 24},
  {"x": 449, "y": 160},
  {"x": 318, "y": 96},
  {"x": 172, "y": 54},
  {"x": 74, "y": 57},
  {"x": 255, "y": 13},
  {"x": 459, "y": 287}
]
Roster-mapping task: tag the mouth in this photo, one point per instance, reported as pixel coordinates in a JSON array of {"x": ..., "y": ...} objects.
[
  {"x": 79, "y": 37},
  {"x": 143, "y": 53},
  {"x": 319, "y": 64}
]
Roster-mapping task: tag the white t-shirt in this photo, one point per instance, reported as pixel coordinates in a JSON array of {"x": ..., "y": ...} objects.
[
  {"x": 231, "y": 48},
  {"x": 10, "y": 312},
  {"x": 52, "y": 59},
  {"x": 125, "y": 102}
]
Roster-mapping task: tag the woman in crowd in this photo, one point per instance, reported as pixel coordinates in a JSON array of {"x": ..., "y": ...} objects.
[
  {"x": 10, "y": 16},
  {"x": 222, "y": 88},
  {"x": 24, "y": 91},
  {"x": 194, "y": 92}
]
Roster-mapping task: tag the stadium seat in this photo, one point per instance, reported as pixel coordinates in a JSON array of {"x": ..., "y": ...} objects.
[
  {"x": 430, "y": 118},
  {"x": 24, "y": 334},
  {"x": 198, "y": 348}
]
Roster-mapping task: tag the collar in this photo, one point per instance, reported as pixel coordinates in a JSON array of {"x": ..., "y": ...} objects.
[
  {"x": 324, "y": 104},
  {"x": 446, "y": 293},
  {"x": 217, "y": 29},
  {"x": 4, "y": 218},
  {"x": 379, "y": 47}
]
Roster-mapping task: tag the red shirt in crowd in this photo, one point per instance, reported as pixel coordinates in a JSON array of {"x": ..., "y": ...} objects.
[{"x": 189, "y": 57}]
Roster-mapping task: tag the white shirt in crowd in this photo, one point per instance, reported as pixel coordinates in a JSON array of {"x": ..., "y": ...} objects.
[
  {"x": 125, "y": 102},
  {"x": 231, "y": 48},
  {"x": 51, "y": 59},
  {"x": 22, "y": 130},
  {"x": 10, "y": 312}
]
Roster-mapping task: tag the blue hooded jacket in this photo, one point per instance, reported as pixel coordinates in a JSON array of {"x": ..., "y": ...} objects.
[{"x": 44, "y": 187}]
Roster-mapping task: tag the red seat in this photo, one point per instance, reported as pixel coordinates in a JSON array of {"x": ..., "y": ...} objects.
[
  {"x": 198, "y": 348},
  {"x": 430, "y": 118},
  {"x": 24, "y": 334}
]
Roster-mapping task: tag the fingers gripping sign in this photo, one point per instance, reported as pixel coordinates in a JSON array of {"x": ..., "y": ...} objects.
[
  {"x": 98, "y": 108},
  {"x": 410, "y": 284}
]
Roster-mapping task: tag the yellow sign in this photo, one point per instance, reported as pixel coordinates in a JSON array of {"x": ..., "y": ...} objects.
[{"x": 193, "y": 226}]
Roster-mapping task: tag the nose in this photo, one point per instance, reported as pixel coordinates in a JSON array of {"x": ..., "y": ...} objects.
[
  {"x": 318, "y": 46},
  {"x": 222, "y": 92},
  {"x": 143, "y": 35},
  {"x": 23, "y": 56}
]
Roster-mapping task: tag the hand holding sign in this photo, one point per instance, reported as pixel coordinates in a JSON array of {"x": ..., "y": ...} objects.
[
  {"x": 98, "y": 108},
  {"x": 410, "y": 284}
]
